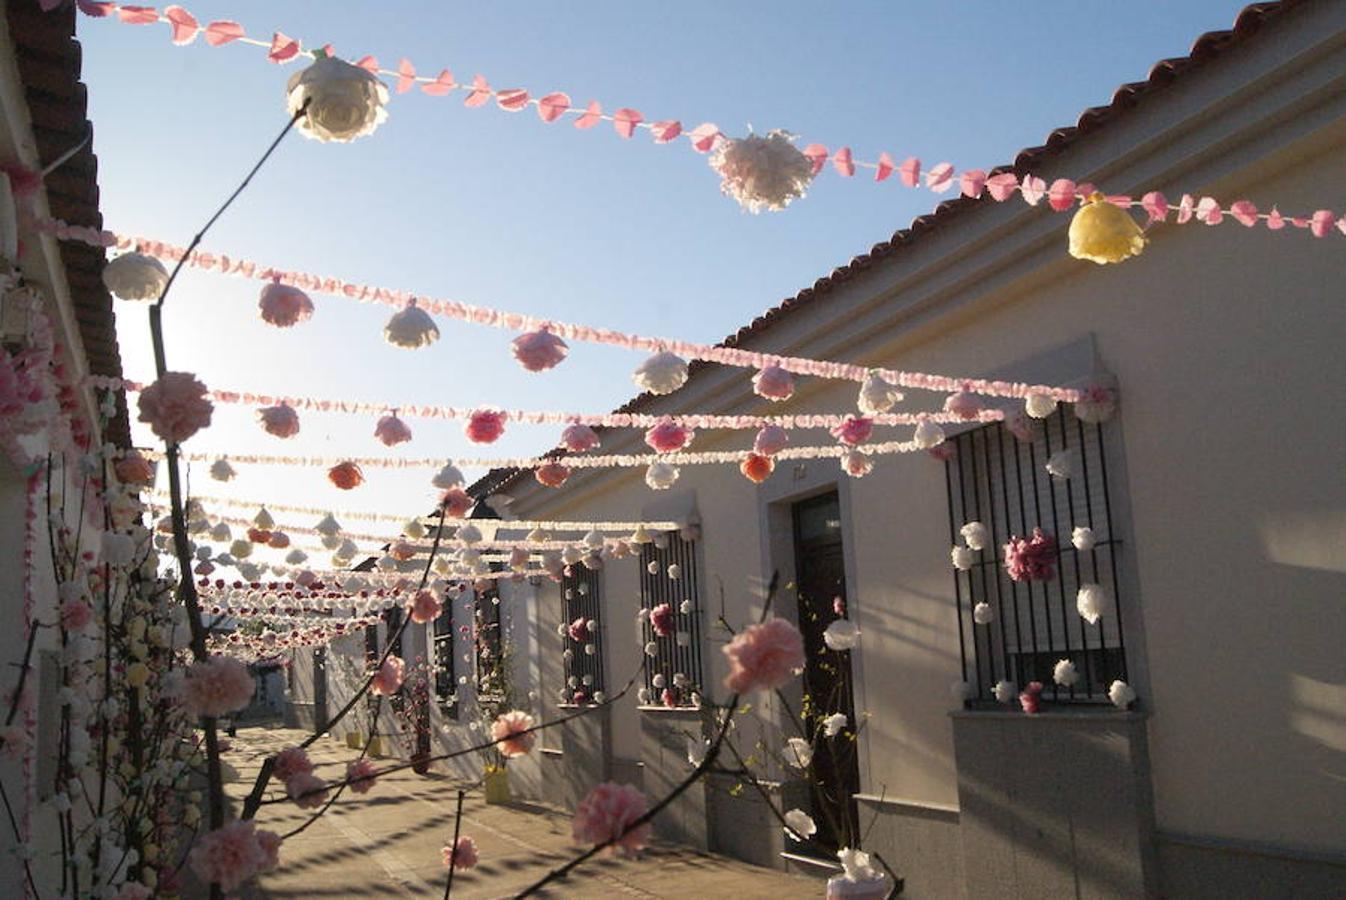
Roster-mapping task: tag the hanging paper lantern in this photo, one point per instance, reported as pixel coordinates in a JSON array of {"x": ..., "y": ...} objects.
[
  {"x": 346, "y": 476},
  {"x": 327, "y": 526},
  {"x": 856, "y": 463},
  {"x": 1104, "y": 233},
  {"x": 1065, "y": 674},
  {"x": 345, "y": 102},
  {"x": 240, "y": 549},
  {"x": 222, "y": 532},
  {"x": 662, "y": 373},
  {"x": 757, "y": 468},
  {"x": 641, "y": 536},
  {"x": 279, "y": 540},
  {"x": 579, "y": 438},
  {"x": 594, "y": 539},
  {"x": 1030, "y": 697},
  {"x": 1005, "y": 691},
  {"x": 331, "y": 541},
  {"x": 538, "y": 351},
  {"x": 1096, "y": 405},
  {"x": 392, "y": 431},
  {"x": 414, "y": 529},
  {"x": 770, "y": 440},
  {"x": 281, "y": 421},
  {"x": 220, "y": 470},
  {"x": 762, "y": 171},
  {"x": 1039, "y": 406},
  {"x": 855, "y": 430},
  {"x": 484, "y": 426},
  {"x": 448, "y": 477},
  {"x": 1020, "y": 425},
  {"x": 877, "y": 395},
  {"x": 675, "y": 571},
  {"x": 284, "y": 306},
  {"x": 773, "y": 383},
  {"x": 411, "y": 328},
  {"x": 402, "y": 551},
  {"x": 928, "y": 434},
  {"x": 296, "y": 557},
  {"x": 668, "y": 437},
  {"x": 552, "y": 475},
  {"x": 621, "y": 550},
  {"x": 537, "y": 536},
  {"x": 135, "y": 276},
  {"x": 134, "y": 468},
  {"x": 964, "y": 404},
  {"x": 660, "y": 476},
  {"x": 457, "y": 503},
  {"x": 264, "y": 519},
  {"x": 175, "y": 407}
]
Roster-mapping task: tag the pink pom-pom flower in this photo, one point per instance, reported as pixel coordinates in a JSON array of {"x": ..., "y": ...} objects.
[
  {"x": 284, "y": 306},
  {"x": 424, "y": 607},
  {"x": 462, "y": 855},
  {"x": 392, "y": 431},
  {"x": 1033, "y": 559},
  {"x": 538, "y": 351},
  {"x": 854, "y": 430},
  {"x": 134, "y": 469},
  {"x": 857, "y": 464},
  {"x": 228, "y": 856},
  {"x": 661, "y": 619},
  {"x": 457, "y": 503},
  {"x": 964, "y": 405},
  {"x": 1030, "y": 696},
  {"x": 764, "y": 657},
  {"x": 579, "y": 631},
  {"x": 552, "y": 475},
  {"x": 347, "y": 476},
  {"x": 757, "y": 468},
  {"x": 770, "y": 440},
  {"x": 361, "y": 774},
  {"x": 76, "y": 615},
  {"x": 175, "y": 406},
  {"x": 307, "y": 790},
  {"x": 388, "y": 678},
  {"x": 579, "y": 438},
  {"x": 217, "y": 686},
  {"x": 512, "y": 732},
  {"x": 773, "y": 383},
  {"x": 290, "y": 762},
  {"x": 668, "y": 437},
  {"x": 279, "y": 421},
  {"x": 484, "y": 426},
  {"x": 607, "y": 813}
]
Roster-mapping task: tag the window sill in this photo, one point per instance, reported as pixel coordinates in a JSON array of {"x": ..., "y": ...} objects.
[{"x": 679, "y": 711}]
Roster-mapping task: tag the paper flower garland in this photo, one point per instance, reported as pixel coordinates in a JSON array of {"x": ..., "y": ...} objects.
[
  {"x": 762, "y": 172},
  {"x": 928, "y": 434},
  {"x": 552, "y": 475},
  {"x": 854, "y": 430},
  {"x": 1032, "y": 559},
  {"x": 284, "y": 306},
  {"x": 660, "y": 476},
  {"x": 135, "y": 276},
  {"x": 448, "y": 477},
  {"x": 485, "y": 426},
  {"x": 346, "y": 476},
  {"x": 668, "y": 437},
  {"x": 1104, "y": 233},
  {"x": 856, "y": 464},
  {"x": 1090, "y": 602},
  {"x": 175, "y": 407},
  {"x": 345, "y": 102},
  {"x": 770, "y": 440},
  {"x": 757, "y": 468},
  {"x": 661, "y": 373},
  {"x": 773, "y": 383},
  {"x": 964, "y": 404},
  {"x": 579, "y": 438},
  {"x": 876, "y": 395},
  {"x": 392, "y": 431},
  {"x": 411, "y": 328},
  {"x": 281, "y": 421},
  {"x": 538, "y": 351}
]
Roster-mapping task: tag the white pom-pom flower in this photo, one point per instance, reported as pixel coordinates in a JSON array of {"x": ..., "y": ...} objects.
[
  {"x": 220, "y": 470},
  {"x": 1083, "y": 538},
  {"x": 448, "y": 477},
  {"x": 928, "y": 434},
  {"x": 135, "y": 276},
  {"x": 660, "y": 476},
  {"x": 798, "y": 753},
  {"x": 762, "y": 172},
  {"x": 328, "y": 527},
  {"x": 975, "y": 534},
  {"x": 877, "y": 395},
  {"x": 1091, "y": 602},
  {"x": 1039, "y": 406},
  {"x": 345, "y": 102},
  {"x": 856, "y": 463},
  {"x": 833, "y": 724},
  {"x": 1059, "y": 465},
  {"x": 800, "y": 826},
  {"x": 296, "y": 557},
  {"x": 843, "y": 634},
  {"x": 469, "y": 534},
  {"x": 1121, "y": 694},
  {"x": 983, "y": 614},
  {"x": 962, "y": 558},
  {"x": 662, "y": 373},
  {"x": 1065, "y": 674},
  {"x": 414, "y": 529},
  {"x": 411, "y": 327},
  {"x": 1006, "y": 691}
]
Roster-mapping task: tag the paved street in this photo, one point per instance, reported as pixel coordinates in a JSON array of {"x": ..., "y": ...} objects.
[{"x": 387, "y": 844}]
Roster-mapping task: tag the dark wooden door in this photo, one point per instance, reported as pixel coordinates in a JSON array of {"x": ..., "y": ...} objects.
[
  {"x": 320, "y": 690},
  {"x": 820, "y": 579}
]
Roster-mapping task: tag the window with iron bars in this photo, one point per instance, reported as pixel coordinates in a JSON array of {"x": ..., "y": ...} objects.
[
  {"x": 669, "y": 595},
  {"x": 491, "y": 687},
  {"x": 442, "y": 647},
  {"x": 1018, "y": 631},
  {"x": 582, "y": 600}
]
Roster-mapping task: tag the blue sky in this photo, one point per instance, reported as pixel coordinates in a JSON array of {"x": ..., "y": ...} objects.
[{"x": 496, "y": 208}]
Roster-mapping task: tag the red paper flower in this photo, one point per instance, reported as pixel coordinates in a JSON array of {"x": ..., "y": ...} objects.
[{"x": 346, "y": 476}]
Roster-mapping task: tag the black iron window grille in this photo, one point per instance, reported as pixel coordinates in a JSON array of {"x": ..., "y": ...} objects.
[
  {"x": 670, "y": 599},
  {"x": 489, "y": 645},
  {"x": 1016, "y": 632},
  {"x": 582, "y": 642},
  {"x": 442, "y": 652}
]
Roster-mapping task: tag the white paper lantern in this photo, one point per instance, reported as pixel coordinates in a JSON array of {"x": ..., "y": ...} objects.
[
  {"x": 660, "y": 476},
  {"x": 345, "y": 102},
  {"x": 411, "y": 328},
  {"x": 135, "y": 276},
  {"x": 928, "y": 434},
  {"x": 662, "y": 373}
]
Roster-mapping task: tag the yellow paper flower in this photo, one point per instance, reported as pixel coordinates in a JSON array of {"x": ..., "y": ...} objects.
[
  {"x": 1104, "y": 233},
  {"x": 137, "y": 674}
]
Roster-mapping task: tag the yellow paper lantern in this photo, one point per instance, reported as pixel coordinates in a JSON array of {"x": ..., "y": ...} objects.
[{"x": 1104, "y": 233}]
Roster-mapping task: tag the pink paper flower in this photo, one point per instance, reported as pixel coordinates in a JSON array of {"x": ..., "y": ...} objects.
[
  {"x": 552, "y": 475},
  {"x": 511, "y": 732},
  {"x": 216, "y": 687},
  {"x": 462, "y": 855},
  {"x": 228, "y": 856},
  {"x": 346, "y": 475},
  {"x": 757, "y": 468},
  {"x": 175, "y": 406},
  {"x": 389, "y": 676},
  {"x": 279, "y": 540},
  {"x": 424, "y": 607},
  {"x": 1019, "y": 424},
  {"x": 270, "y": 843},
  {"x": 668, "y": 437},
  {"x": 661, "y": 619},
  {"x": 607, "y": 813},
  {"x": 284, "y": 306},
  {"x": 839, "y": 605},
  {"x": 1033, "y": 559},
  {"x": 579, "y": 631},
  {"x": 134, "y": 469},
  {"x": 485, "y": 426},
  {"x": 669, "y": 697},
  {"x": 392, "y": 431},
  {"x": 773, "y": 383},
  {"x": 457, "y": 503},
  {"x": 281, "y": 421},
  {"x": 538, "y": 351},
  {"x": 76, "y": 615},
  {"x": 1030, "y": 696},
  {"x": 307, "y": 790},
  {"x": 964, "y": 405},
  {"x": 770, "y": 440},
  {"x": 578, "y": 438},
  {"x": 361, "y": 774},
  {"x": 290, "y": 762},
  {"x": 857, "y": 464},
  {"x": 855, "y": 430},
  {"x": 764, "y": 657}
]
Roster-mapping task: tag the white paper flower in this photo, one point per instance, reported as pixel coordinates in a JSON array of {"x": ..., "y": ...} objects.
[
  {"x": 327, "y": 526},
  {"x": 135, "y": 276},
  {"x": 983, "y": 614},
  {"x": 221, "y": 532},
  {"x": 855, "y": 865},
  {"x": 928, "y": 434},
  {"x": 662, "y": 373},
  {"x": 762, "y": 172},
  {"x": 296, "y": 557},
  {"x": 856, "y": 463},
  {"x": 660, "y": 476},
  {"x": 643, "y": 695},
  {"x": 469, "y": 534},
  {"x": 833, "y": 724},
  {"x": 1091, "y": 602},
  {"x": 117, "y": 549},
  {"x": 962, "y": 557},
  {"x": 240, "y": 549},
  {"x": 411, "y": 327},
  {"x": 800, "y": 826},
  {"x": 571, "y": 555},
  {"x": 345, "y": 102},
  {"x": 841, "y": 635},
  {"x": 877, "y": 395},
  {"x": 798, "y": 753},
  {"x": 1083, "y": 538},
  {"x": 976, "y": 535},
  {"x": 448, "y": 477},
  {"x": 651, "y": 649},
  {"x": 1065, "y": 673},
  {"x": 220, "y": 470},
  {"x": 1039, "y": 406},
  {"x": 674, "y": 571},
  {"x": 1121, "y": 694},
  {"x": 264, "y": 520},
  {"x": 1006, "y": 691},
  {"x": 658, "y": 680},
  {"x": 1059, "y": 465}
]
